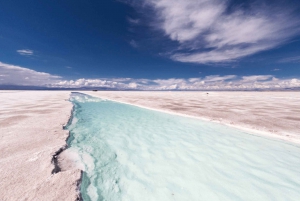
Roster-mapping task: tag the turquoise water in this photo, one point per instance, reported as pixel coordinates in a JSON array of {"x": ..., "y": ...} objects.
[{"x": 130, "y": 153}]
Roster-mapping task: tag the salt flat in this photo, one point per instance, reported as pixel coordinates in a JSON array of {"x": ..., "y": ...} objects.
[
  {"x": 276, "y": 114},
  {"x": 31, "y": 132}
]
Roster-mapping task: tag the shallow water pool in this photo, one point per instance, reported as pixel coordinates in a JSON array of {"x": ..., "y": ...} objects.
[{"x": 134, "y": 154}]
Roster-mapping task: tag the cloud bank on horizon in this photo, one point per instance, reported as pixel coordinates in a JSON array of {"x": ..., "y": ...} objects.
[
  {"x": 17, "y": 75},
  {"x": 213, "y": 31}
]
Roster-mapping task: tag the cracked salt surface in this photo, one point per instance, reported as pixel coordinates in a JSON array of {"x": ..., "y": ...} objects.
[{"x": 131, "y": 153}]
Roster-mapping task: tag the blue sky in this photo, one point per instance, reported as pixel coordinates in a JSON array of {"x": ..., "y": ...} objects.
[{"x": 151, "y": 44}]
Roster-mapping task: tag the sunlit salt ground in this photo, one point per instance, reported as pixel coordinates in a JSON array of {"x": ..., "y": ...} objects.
[{"x": 134, "y": 154}]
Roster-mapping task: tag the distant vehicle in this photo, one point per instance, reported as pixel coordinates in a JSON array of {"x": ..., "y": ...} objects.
[{"x": 95, "y": 90}]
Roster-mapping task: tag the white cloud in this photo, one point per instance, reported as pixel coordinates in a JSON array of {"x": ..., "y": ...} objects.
[
  {"x": 17, "y": 75},
  {"x": 133, "y": 43},
  {"x": 217, "y": 78},
  {"x": 276, "y": 69},
  {"x": 133, "y": 21},
  {"x": 290, "y": 60},
  {"x": 26, "y": 52},
  {"x": 132, "y": 85},
  {"x": 254, "y": 78},
  {"x": 217, "y": 32},
  {"x": 213, "y": 82}
]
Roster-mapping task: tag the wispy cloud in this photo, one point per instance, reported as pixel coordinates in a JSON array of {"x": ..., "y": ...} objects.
[
  {"x": 215, "y": 31},
  {"x": 217, "y": 78},
  {"x": 133, "y": 43},
  {"x": 133, "y": 21},
  {"x": 255, "y": 78},
  {"x": 17, "y": 75},
  {"x": 25, "y": 52},
  {"x": 290, "y": 60}
]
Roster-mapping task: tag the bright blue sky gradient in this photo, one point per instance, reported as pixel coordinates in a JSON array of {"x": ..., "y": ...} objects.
[{"x": 112, "y": 39}]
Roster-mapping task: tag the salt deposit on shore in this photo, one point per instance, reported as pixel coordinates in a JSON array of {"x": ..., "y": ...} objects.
[
  {"x": 275, "y": 114},
  {"x": 31, "y": 124},
  {"x": 31, "y": 130}
]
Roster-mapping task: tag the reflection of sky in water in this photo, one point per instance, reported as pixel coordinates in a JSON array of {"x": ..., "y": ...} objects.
[{"x": 132, "y": 153}]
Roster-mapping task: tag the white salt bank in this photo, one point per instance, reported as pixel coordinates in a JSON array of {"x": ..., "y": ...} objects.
[{"x": 31, "y": 131}]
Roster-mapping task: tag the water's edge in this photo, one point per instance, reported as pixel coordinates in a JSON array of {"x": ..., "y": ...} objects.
[
  {"x": 244, "y": 127},
  {"x": 249, "y": 131},
  {"x": 54, "y": 159}
]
